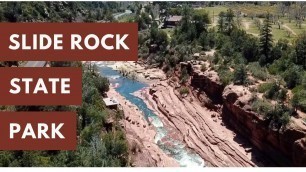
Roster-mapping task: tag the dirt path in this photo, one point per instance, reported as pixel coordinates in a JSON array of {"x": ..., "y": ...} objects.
[
  {"x": 215, "y": 22},
  {"x": 246, "y": 24},
  {"x": 288, "y": 28}
]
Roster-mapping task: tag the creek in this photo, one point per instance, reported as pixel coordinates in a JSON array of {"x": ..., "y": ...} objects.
[{"x": 125, "y": 87}]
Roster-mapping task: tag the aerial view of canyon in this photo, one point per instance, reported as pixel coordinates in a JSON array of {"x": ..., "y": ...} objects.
[{"x": 216, "y": 84}]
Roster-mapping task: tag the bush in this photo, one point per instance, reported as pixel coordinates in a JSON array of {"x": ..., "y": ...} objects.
[
  {"x": 143, "y": 52},
  {"x": 238, "y": 59},
  {"x": 257, "y": 71},
  {"x": 184, "y": 90},
  {"x": 262, "y": 107},
  {"x": 102, "y": 84},
  {"x": 226, "y": 76},
  {"x": 203, "y": 67},
  {"x": 174, "y": 79},
  {"x": 216, "y": 58},
  {"x": 279, "y": 116},
  {"x": 292, "y": 76},
  {"x": 282, "y": 95},
  {"x": 282, "y": 64},
  {"x": 262, "y": 88},
  {"x": 272, "y": 91},
  {"x": 297, "y": 89},
  {"x": 299, "y": 100},
  {"x": 227, "y": 49},
  {"x": 184, "y": 76}
]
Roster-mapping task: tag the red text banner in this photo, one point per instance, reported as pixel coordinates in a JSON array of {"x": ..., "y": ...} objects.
[
  {"x": 68, "y": 41},
  {"x": 38, "y": 131},
  {"x": 41, "y": 86}
]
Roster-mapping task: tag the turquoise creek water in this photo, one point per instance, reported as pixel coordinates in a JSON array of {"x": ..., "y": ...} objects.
[{"x": 126, "y": 87}]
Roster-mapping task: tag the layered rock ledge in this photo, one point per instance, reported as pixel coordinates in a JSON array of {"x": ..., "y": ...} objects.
[{"x": 286, "y": 147}]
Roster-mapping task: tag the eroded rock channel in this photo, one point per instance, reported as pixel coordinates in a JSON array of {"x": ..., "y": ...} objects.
[{"x": 218, "y": 124}]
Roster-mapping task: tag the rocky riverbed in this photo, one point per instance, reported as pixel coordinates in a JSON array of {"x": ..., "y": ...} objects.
[
  {"x": 141, "y": 137},
  {"x": 200, "y": 129},
  {"x": 143, "y": 127},
  {"x": 212, "y": 122}
]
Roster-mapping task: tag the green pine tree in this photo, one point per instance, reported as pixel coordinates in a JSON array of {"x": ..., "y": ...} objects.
[
  {"x": 240, "y": 75},
  {"x": 265, "y": 41},
  {"x": 221, "y": 22}
]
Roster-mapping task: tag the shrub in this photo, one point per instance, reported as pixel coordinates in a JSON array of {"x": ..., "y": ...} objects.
[
  {"x": 238, "y": 59},
  {"x": 262, "y": 88},
  {"x": 216, "y": 58},
  {"x": 278, "y": 116},
  {"x": 261, "y": 107},
  {"x": 273, "y": 91},
  {"x": 257, "y": 71},
  {"x": 227, "y": 49},
  {"x": 281, "y": 65},
  {"x": 292, "y": 76},
  {"x": 297, "y": 89},
  {"x": 184, "y": 75},
  {"x": 184, "y": 90},
  {"x": 282, "y": 95},
  {"x": 226, "y": 76},
  {"x": 299, "y": 100},
  {"x": 203, "y": 67},
  {"x": 143, "y": 52},
  {"x": 102, "y": 84},
  {"x": 170, "y": 72}
]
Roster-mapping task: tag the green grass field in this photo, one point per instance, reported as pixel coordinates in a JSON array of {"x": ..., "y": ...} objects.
[
  {"x": 280, "y": 34},
  {"x": 253, "y": 29},
  {"x": 296, "y": 29},
  {"x": 249, "y": 25},
  {"x": 254, "y": 9},
  {"x": 213, "y": 12},
  {"x": 276, "y": 32}
]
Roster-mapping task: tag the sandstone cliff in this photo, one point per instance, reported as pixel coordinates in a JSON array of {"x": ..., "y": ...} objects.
[
  {"x": 286, "y": 147},
  {"x": 199, "y": 128},
  {"x": 207, "y": 81},
  {"x": 278, "y": 145}
]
